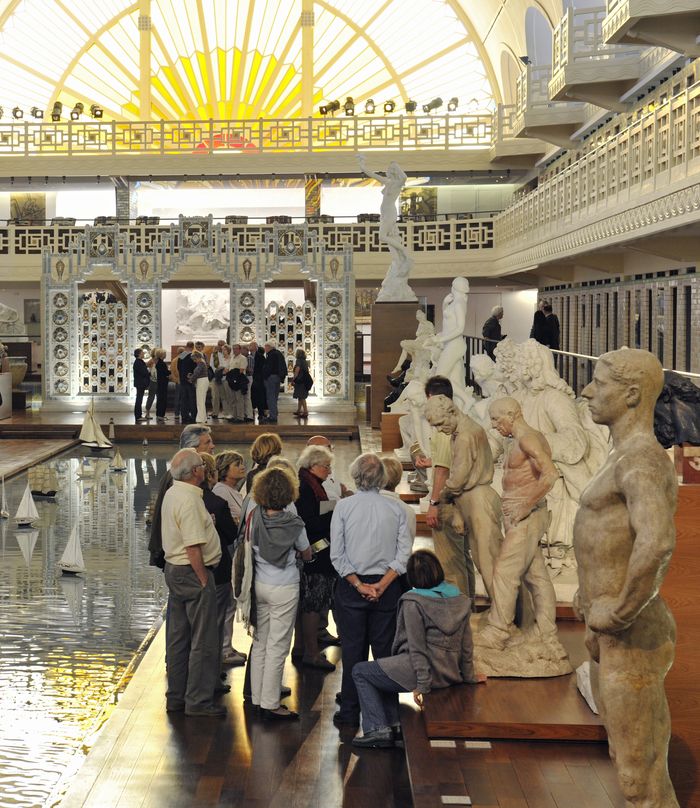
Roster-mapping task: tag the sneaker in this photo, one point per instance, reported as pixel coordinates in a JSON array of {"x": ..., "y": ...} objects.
[
  {"x": 377, "y": 739},
  {"x": 210, "y": 711}
]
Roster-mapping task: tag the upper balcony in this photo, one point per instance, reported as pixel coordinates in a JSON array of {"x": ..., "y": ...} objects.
[
  {"x": 539, "y": 117},
  {"x": 585, "y": 67},
  {"x": 674, "y": 25},
  {"x": 506, "y": 147}
]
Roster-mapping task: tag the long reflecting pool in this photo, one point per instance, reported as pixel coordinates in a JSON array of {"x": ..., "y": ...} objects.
[{"x": 66, "y": 642}]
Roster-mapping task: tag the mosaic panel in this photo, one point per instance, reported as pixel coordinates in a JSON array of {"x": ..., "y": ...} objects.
[{"x": 102, "y": 344}]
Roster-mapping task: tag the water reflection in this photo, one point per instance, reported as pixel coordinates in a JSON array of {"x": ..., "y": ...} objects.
[{"x": 66, "y": 642}]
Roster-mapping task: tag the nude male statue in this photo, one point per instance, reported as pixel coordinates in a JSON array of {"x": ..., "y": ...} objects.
[
  {"x": 469, "y": 486},
  {"x": 623, "y": 540},
  {"x": 528, "y": 475}
]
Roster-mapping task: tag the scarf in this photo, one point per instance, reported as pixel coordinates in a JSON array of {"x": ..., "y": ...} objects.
[
  {"x": 274, "y": 536},
  {"x": 443, "y": 590},
  {"x": 315, "y": 484}
]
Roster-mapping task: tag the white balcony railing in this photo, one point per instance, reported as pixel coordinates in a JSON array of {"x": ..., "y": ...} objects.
[
  {"x": 400, "y": 133},
  {"x": 660, "y": 148},
  {"x": 460, "y": 234},
  {"x": 531, "y": 91}
]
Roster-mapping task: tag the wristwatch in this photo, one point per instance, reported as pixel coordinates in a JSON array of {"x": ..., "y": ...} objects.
[{"x": 434, "y": 502}]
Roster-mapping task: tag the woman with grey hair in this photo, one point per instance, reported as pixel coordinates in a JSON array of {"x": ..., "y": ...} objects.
[
  {"x": 318, "y": 578},
  {"x": 370, "y": 545}
]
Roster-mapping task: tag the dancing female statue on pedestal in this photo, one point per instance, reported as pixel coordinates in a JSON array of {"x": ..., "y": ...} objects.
[{"x": 395, "y": 288}]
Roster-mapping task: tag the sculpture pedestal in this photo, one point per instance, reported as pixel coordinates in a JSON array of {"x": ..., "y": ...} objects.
[
  {"x": 391, "y": 323},
  {"x": 5, "y": 395}
]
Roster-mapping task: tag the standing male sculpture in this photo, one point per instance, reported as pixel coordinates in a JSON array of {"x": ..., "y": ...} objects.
[
  {"x": 395, "y": 286},
  {"x": 528, "y": 476},
  {"x": 623, "y": 540}
]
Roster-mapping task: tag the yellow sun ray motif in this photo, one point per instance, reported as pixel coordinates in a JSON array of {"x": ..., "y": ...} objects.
[{"x": 238, "y": 58}]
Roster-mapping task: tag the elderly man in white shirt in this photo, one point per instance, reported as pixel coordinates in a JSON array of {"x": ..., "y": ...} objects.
[
  {"x": 192, "y": 551},
  {"x": 370, "y": 545},
  {"x": 238, "y": 362}
]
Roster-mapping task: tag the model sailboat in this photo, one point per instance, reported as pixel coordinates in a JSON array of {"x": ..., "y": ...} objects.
[
  {"x": 27, "y": 512},
  {"x": 27, "y": 542},
  {"x": 43, "y": 481},
  {"x": 4, "y": 513},
  {"x": 117, "y": 463},
  {"x": 71, "y": 562},
  {"x": 91, "y": 433}
]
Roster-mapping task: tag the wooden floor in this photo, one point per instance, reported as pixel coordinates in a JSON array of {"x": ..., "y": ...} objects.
[{"x": 18, "y": 455}]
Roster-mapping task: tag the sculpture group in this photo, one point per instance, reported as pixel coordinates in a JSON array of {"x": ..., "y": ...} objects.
[{"x": 588, "y": 474}]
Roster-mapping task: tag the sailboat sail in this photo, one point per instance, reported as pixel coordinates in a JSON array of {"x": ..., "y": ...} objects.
[
  {"x": 4, "y": 513},
  {"x": 117, "y": 463},
  {"x": 72, "y": 559},
  {"x": 27, "y": 543},
  {"x": 27, "y": 512},
  {"x": 91, "y": 433}
]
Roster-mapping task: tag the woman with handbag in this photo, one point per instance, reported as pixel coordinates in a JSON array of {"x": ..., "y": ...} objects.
[
  {"x": 275, "y": 536},
  {"x": 302, "y": 384}
]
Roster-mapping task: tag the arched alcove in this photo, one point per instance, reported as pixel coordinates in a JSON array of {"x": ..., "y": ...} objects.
[
  {"x": 538, "y": 37},
  {"x": 510, "y": 70}
]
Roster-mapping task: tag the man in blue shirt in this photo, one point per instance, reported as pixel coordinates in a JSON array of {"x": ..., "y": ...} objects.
[{"x": 370, "y": 545}]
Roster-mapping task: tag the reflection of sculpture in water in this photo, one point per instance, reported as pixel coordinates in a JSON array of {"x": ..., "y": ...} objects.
[
  {"x": 476, "y": 517},
  {"x": 450, "y": 343},
  {"x": 395, "y": 285},
  {"x": 623, "y": 539},
  {"x": 528, "y": 476}
]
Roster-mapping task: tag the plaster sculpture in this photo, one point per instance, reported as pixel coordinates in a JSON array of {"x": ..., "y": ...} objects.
[
  {"x": 506, "y": 353},
  {"x": 477, "y": 507},
  {"x": 395, "y": 288},
  {"x": 623, "y": 538},
  {"x": 549, "y": 406},
  {"x": 416, "y": 350},
  {"x": 450, "y": 343},
  {"x": 202, "y": 314},
  {"x": 528, "y": 477},
  {"x": 8, "y": 314}
]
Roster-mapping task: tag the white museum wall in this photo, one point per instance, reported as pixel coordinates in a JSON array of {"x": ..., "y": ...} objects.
[
  {"x": 85, "y": 204},
  {"x": 345, "y": 203},
  {"x": 256, "y": 203},
  {"x": 474, "y": 198}
]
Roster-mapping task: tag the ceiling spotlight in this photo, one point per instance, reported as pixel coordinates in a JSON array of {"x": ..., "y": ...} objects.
[
  {"x": 411, "y": 106},
  {"x": 436, "y": 103},
  {"x": 452, "y": 104},
  {"x": 389, "y": 106},
  {"x": 17, "y": 113},
  {"x": 96, "y": 111},
  {"x": 37, "y": 113},
  {"x": 56, "y": 111},
  {"x": 369, "y": 106},
  {"x": 77, "y": 111},
  {"x": 349, "y": 106},
  {"x": 332, "y": 106}
]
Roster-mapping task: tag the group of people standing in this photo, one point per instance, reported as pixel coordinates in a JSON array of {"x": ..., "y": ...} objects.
[
  {"x": 241, "y": 379},
  {"x": 303, "y": 544},
  {"x": 545, "y": 328}
]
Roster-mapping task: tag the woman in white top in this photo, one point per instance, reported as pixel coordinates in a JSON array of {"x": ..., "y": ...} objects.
[{"x": 276, "y": 536}]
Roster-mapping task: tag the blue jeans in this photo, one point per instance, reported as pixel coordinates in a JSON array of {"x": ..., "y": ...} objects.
[
  {"x": 272, "y": 391},
  {"x": 378, "y": 694}
]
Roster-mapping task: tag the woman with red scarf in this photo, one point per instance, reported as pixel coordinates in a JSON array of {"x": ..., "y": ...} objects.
[{"x": 318, "y": 577}]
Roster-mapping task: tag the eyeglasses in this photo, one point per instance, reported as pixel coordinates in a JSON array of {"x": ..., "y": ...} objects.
[{"x": 324, "y": 466}]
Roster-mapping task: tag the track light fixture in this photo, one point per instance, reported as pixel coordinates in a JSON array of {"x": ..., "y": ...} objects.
[
  {"x": 332, "y": 106},
  {"x": 411, "y": 107},
  {"x": 56, "y": 111},
  {"x": 96, "y": 111},
  {"x": 369, "y": 106},
  {"x": 37, "y": 113},
  {"x": 349, "y": 106},
  {"x": 436, "y": 103},
  {"x": 389, "y": 106},
  {"x": 452, "y": 104},
  {"x": 77, "y": 111},
  {"x": 17, "y": 113}
]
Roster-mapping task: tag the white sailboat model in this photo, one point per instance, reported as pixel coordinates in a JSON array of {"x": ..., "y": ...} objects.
[
  {"x": 91, "y": 433},
  {"x": 4, "y": 513},
  {"x": 27, "y": 542},
  {"x": 117, "y": 463},
  {"x": 27, "y": 512},
  {"x": 71, "y": 562}
]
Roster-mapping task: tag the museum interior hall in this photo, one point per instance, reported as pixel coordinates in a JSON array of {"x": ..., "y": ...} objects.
[{"x": 349, "y": 403}]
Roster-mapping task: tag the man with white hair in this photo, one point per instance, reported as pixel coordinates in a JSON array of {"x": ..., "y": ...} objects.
[
  {"x": 370, "y": 545},
  {"x": 192, "y": 552},
  {"x": 491, "y": 331},
  {"x": 274, "y": 371}
]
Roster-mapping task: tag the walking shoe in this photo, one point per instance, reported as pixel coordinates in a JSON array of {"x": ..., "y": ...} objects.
[
  {"x": 326, "y": 638},
  {"x": 219, "y": 690},
  {"x": 376, "y": 739},
  {"x": 210, "y": 711},
  {"x": 319, "y": 662},
  {"x": 285, "y": 692},
  {"x": 283, "y": 715},
  {"x": 233, "y": 659}
]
